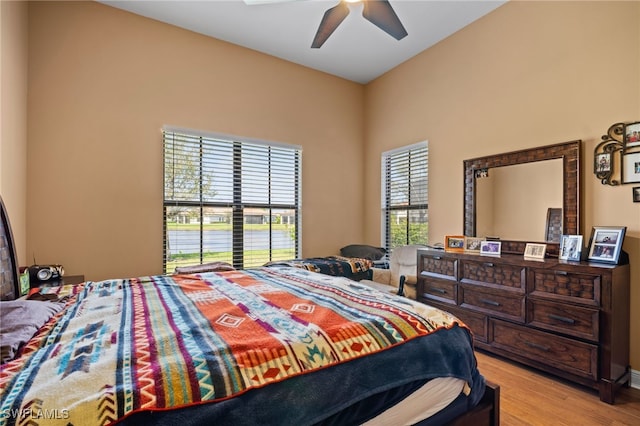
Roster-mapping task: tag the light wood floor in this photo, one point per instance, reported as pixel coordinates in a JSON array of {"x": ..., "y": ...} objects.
[{"x": 529, "y": 397}]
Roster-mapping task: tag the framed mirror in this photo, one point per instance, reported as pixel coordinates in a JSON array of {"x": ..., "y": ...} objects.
[{"x": 549, "y": 179}]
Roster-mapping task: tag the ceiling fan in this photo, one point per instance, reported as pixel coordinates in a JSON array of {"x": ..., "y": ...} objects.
[{"x": 378, "y": 12}]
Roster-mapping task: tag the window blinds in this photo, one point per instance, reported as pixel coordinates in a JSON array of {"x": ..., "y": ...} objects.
[
  {"x": 231, "y": 201},
  {"x": 405, "y": 178}
]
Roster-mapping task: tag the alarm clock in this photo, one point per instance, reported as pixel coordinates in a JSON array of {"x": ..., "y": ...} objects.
[{"x": 42, "y": 273}]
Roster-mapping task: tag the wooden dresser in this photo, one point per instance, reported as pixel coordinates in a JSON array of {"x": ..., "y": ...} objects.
[{"x": 567, "y": 318}]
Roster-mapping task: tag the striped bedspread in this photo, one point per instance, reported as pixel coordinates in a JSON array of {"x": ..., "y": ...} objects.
[{"x": 158, "y": 342}]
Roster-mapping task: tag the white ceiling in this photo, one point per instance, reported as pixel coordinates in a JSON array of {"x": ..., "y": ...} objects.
[{"x": 357, "y": 50}]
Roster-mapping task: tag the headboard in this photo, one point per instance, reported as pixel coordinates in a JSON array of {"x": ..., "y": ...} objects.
[{"x": 9, "y": 283}]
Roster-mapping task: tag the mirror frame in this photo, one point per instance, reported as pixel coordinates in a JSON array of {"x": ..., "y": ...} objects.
[{"x": 569, "y": 152}]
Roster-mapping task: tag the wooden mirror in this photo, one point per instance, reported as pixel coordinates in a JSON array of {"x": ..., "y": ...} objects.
[{"x": 569, "y": 153}]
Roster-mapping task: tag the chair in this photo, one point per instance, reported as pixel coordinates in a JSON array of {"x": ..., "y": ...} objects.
[{"x": 401, "y": 277}]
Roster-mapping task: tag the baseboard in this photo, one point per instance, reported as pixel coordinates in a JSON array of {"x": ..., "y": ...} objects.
[{"x": 635, "y": 379}]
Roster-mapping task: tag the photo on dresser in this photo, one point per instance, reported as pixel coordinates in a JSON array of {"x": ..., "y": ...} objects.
[
  {"x": 454, "y": 243},
  {"x": 535, "y": 251},
  {"x": 605, "y": 243},
  {"x": 472, "y": 244},
  {"x": 570, "y": 247},
  {"x": 490, "y": 248}
]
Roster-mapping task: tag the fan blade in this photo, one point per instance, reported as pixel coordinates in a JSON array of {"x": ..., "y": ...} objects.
[
  {"x": 330, "y": 21},
  {"x": 381, "y": 14}
]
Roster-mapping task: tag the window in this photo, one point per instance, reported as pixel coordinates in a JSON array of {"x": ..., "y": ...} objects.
[
  {"x": 405, "y": 177},
  {"x": 229, "y": 200}
]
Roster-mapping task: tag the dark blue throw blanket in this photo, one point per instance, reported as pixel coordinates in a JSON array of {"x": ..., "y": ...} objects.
[
  {"x": 322, "y": 397},
  {"x": 336, "y": 266}
]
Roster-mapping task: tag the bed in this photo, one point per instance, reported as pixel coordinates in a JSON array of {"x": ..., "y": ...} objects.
[{"x": 277, "y": 345}]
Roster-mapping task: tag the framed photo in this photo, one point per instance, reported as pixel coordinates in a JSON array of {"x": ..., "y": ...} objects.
[
  {"x": 632, "y": 135},
  {"x": 454, "y": 243},
  {"x": 491, "y": 248},
  {"x": 535, "y": 251},
  {"x": 636, "y": 194},
  {"x": 472, "y": 244},
  {"x": 602, "y": 162},
  {"x": 481, "y": 173},
  {"x": 570, "y": 247},
  {"x": 605, "y": 243},
  {"x": 630, "y": 169}
]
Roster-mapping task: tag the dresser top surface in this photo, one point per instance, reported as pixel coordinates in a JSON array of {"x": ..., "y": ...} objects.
[{"x": 515, "y": 259}]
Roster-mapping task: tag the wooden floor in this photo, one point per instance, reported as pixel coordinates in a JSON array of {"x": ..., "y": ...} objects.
[{"x": 529, "y": 397}]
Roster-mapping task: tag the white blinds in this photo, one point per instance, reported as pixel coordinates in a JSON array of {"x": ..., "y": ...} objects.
[
  {"x": 232, "y": 201},
  {"x": 405, "y": 176}
]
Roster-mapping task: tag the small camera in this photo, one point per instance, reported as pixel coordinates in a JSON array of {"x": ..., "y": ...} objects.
[{"x": 40, "y": 273}]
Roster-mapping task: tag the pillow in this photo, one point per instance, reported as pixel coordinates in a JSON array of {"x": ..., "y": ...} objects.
[
  {"x": 363, "y": 251},
  {"x": 19, "y": 321},
  {"x": 205, "y": 267}
]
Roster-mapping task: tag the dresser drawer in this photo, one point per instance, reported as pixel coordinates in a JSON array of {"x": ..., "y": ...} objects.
[
  {"x": 578, "y": 321},
  {"x": 581, "y": 288},
  {"x": 442, "y": 290},
  {"x": 493, "y": 273},
  {"x": 438, "y": 267},
  {"x": 561, "y": 353},
  {"x": 478, "y": 323},
  {"x": 500, "y": 303}
]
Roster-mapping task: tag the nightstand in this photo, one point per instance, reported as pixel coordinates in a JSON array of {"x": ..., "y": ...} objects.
[{"x": 65, "y": 280}]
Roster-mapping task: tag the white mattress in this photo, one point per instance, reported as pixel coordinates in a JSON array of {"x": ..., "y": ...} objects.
[
  {"x": 428, "y": 399},
  {"x": 435, "y": 395}
]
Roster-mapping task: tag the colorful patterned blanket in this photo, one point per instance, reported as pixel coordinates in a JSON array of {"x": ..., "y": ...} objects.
[
  {"x": 152, "y": 343},
  {"x": 337, "y": 266}
]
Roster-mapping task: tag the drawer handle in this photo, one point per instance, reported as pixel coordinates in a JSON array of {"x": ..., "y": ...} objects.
[
  {"x": 439, "y": 290},
  {"x": 562, "y": 319},
  {"x": 565, "y": 273},
  {"x": 537, "y": 346},
  {"x": 490, "y": 302},
  {"x": 437, "y": 257},
  {"x": 489, "y": 264}
]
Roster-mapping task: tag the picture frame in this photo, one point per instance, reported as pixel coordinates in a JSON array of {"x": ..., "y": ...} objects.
[
  {"x": 454, "y": 243},
  {"x": 472, "y": 244},
  {"x": 630, "y": 167},
  {"x": 605, "y": 243},
  {"x": 602, "y": 163},
  {"x": 481, "y": 173},
  {"x": 570, "y": 247},
  {"x": 631, "y": 136},
  {"x": 490, "y": 248},
  {"x": 636, "y": 194},
  {"x": 535, "y": 251}
]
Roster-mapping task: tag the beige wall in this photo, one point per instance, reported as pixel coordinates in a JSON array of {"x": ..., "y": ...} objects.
[
  {"x": 13, "y": 118},
  {"x": 527, "y": 74},
  {"x": 103, "y": 82}
]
